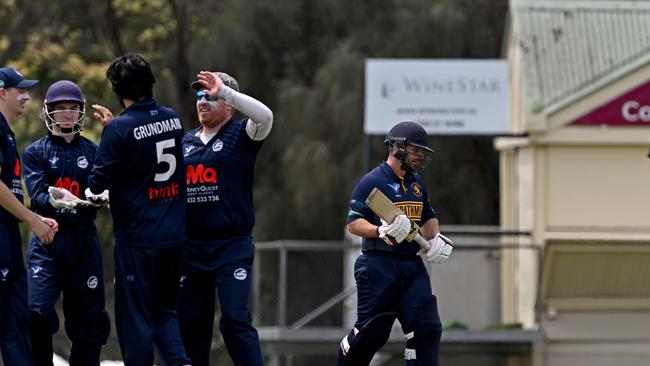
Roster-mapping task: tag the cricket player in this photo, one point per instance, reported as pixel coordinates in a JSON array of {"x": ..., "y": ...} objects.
[
  {"x": 392, "y": 281},
  {"x": 72, "y": 264},
  {"x": 140, "y": 162},
  {"x": 14, "y": 312},
  {"x": 220, "y": 161}
]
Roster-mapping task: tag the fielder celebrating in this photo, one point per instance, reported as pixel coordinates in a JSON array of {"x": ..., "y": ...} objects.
[
  {"x": 60, "y": 163},
  {"x": 140, "y": 161},
  {"x": 392, "y": 281},
  {"x": 220, "y": 160},
  {"x": 14, "y": 313}
]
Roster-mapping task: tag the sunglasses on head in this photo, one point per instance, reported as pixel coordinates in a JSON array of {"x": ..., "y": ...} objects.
[{"x": 203, "y": 95}]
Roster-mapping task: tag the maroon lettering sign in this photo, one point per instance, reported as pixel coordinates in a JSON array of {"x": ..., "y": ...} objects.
[{"x": 629, "y": 109}]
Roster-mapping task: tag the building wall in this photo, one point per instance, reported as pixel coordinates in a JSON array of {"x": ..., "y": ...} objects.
[{"x": 583, "y": 193}]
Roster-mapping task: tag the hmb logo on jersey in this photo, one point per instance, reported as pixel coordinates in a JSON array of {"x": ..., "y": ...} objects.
[
  {"x": 69, "y": 184},
  {"x": 167, "y": 192},
  {"x": 200, "y": 174},
  {"x": 82, "y": 162},
  {"x": 240, "y": 274},
  {"x": 92, "y": 282}
]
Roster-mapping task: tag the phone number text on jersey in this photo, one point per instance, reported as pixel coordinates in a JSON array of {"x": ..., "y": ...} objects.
[{"x": 202, "y": 194}]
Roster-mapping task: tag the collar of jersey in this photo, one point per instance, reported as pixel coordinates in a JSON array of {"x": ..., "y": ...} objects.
[
  {"x": 391, "y": 174},
  {"x": 147, "y": 103},
  {"x": 3, "y": 123},
  {"x": 197, "y": 131},
  {"x": 60, "y": 139}
]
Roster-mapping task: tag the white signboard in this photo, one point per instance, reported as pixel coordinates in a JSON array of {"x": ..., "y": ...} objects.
[{"x": 444, "y": 96}]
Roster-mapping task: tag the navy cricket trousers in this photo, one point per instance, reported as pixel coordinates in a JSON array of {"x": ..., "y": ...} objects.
[
  {"x": 146, "y": 289},
  {"x": 72, "y": 265},
  {"x": 226, "y": 266},
  {"x": 387, "y": 283}
]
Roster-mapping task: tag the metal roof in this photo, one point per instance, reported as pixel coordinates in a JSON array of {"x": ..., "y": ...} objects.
[{"x": 568, "y": 48}]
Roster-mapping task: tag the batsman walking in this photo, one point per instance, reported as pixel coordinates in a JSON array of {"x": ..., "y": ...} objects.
[{"x": 392, "y": 280}]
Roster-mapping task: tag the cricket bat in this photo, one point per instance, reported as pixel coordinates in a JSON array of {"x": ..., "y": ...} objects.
[{"x": 386, "y": 209}]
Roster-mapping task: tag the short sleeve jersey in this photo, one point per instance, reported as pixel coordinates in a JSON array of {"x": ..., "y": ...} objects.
[
  {"x": 11, "y": 169},
  {"x": 408, "y": 194},
  {"x": 52, "y": 162},
  {"x": 140, "y": 162},
  {"x": 219, "y": 177}
]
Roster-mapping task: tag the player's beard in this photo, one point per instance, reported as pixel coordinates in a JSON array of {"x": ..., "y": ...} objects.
[{"x": 208, "y": 113}]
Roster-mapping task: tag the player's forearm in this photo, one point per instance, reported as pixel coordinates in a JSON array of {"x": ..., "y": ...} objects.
[
  {"x": 429, "y": 229},
  {"x": 363, "y": 228},
  {"x": 260, "y": 116},
  {"x": 10, "y": 203}
]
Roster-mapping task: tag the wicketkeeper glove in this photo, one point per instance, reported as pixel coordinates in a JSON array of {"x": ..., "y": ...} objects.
[
  {"x": 62, "y": 198},
  {"x": 441, "y": 247},
  {"x": 97, "y": 199},
  {"x": 396, "y": 232}
]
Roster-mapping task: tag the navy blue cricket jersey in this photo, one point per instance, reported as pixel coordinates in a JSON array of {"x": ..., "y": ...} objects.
[
  {"x": 51, "y": 161},
  {"x": 409, "y": 195},
  {"x": 10, "y": 163},
  {"x": 219, "y": 182},
  {"x": 140, "y": 162}
]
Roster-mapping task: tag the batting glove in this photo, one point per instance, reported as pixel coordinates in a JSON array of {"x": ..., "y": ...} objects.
[
  {"x": 97, "y": 199},
  {"x": 62, "y": 198},
  {"x": 395, "y": 232},
  {"x": 441, "y": 247}
]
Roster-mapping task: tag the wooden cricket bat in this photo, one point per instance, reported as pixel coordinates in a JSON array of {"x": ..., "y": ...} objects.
[{"x": 386, "y": 209}]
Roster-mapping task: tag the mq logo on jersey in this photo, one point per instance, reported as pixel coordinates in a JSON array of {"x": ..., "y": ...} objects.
[{"x": 200, "y": 174}]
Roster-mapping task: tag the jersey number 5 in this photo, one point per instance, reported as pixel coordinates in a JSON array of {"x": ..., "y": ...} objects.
[{"x": 164, "y": 157}]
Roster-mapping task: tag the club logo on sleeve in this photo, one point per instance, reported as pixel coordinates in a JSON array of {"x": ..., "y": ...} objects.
[
  {"x": 240, "y": 274},
  {"x": 188, "y": 149},
  {"x": 82, "y": 162},
  {"x": 416, "y": 189},
  {"x": 36, "y": 270},
  {"x": 4, "y": 272},
  {"x": 217, "y": 146},
  {"x": 92, "y": 282}
]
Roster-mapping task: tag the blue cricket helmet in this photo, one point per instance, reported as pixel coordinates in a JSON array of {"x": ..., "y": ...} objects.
[{"x": 409, "y": 132}]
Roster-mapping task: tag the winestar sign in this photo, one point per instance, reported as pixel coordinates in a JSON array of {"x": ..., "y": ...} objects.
[{"x": 443, "y": 96}]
